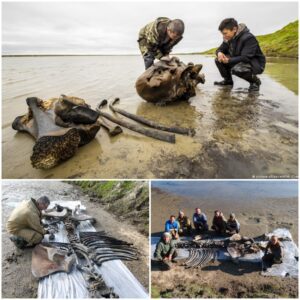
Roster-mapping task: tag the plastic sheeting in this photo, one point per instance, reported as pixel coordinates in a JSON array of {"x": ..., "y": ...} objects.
[
  {"x": 73, "y": 285},
  {"x": 289, "y": 266}
]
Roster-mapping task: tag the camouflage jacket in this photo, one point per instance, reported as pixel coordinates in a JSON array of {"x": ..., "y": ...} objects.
[{"x": 153, "y": 38}]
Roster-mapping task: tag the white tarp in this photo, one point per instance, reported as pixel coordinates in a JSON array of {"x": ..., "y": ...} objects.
[
  {"x": 73, "y": 285},
  {"x": 288, "y": 267}
]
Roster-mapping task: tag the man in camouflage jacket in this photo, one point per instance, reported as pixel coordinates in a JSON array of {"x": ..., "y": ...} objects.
[{"x": 157, "y": 38}]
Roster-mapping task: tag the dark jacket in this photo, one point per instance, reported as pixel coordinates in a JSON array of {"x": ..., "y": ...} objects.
[{"x": 244, "y": 47}]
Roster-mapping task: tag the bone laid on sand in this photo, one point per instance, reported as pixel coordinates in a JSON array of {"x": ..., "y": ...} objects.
[
  {"x": 150, "y": 123},
  {"x": 163, "y": 136}
]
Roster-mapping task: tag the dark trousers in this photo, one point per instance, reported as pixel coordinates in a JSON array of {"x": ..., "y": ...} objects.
[
  {"x": 241, "y": 70},
  {"x": 167, "y": 255},
  {"x": 201, "y": 227}
]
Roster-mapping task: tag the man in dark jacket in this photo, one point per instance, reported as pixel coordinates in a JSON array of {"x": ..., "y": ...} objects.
[
  {"x": 239, "y": 54},
  {"x": 273, "y": 253},
  {"x": 157, "y": 38}
]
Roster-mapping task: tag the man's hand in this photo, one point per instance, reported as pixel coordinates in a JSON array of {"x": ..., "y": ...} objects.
[
  {"x": 170, "y": 257},
  {"x": 166, "y": 57},
  {"x": 225, "y": 60},
  {"x": 221, "y": 56}
]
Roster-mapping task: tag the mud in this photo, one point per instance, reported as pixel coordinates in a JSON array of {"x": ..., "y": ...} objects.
[{"x": 237, "y": 135}]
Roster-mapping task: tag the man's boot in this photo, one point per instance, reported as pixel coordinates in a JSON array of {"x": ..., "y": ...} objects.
[
  {"x": 19, "y": 242},
  {"x": 255, "y": 84},
  {"x": 225, "y": 82}
]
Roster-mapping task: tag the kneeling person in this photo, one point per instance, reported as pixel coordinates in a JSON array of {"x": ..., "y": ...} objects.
[
  {"x": 239, "y": 54},
  {"x": 273, "y": 253},
  {"x": 233, "y": 225},
  {"x": 219, "y": 222},
  {"x": 185, "y": 226},
  {"x": 24, "y": 224},
  {"x": 165, "y": 248},
  {"x": 200, "y": 221},
  {"x": 172, "y": 227}
]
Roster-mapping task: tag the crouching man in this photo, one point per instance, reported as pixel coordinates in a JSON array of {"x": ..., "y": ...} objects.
[
  {"x": 239, "y": 54},
  {"x": 165, "y": 251},
  {"x": 273, "y": 253},
  {"x": 24, "y": 224}
]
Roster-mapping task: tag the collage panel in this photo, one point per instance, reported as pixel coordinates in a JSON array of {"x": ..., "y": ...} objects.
[
  {"x": 149, "y": 149},
  {"x": 75, "y": 239},
  {"x": 164, "y": 94},
  {"x": 224, "y": 239}
]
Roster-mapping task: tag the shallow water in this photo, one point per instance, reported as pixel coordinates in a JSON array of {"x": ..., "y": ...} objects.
[
  {"x": 230, "y": 190},
  {"x": 237, "y": 135}
]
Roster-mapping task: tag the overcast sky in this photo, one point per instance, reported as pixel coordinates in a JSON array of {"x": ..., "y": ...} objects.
[{"x": 112, "y": 27}]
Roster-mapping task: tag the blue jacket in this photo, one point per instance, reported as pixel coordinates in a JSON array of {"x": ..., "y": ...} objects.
[
  {"x": 169, "y": 226},
  {"x": 199, "y": 218}
]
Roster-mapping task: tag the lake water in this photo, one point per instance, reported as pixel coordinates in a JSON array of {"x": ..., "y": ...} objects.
[
  {"x": 230, "y": 190},
  {"x": 237, "y": 135}
]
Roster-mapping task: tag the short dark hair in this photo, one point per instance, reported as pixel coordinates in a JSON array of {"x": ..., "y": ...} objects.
[
  {"x": 172, "y": 216},
  {"x": 176, "y": 26},
  {"x": 228, "y": 23},
  {"x": 43, "y": 200}
]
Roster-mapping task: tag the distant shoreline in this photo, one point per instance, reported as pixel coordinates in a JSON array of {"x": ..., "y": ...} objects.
[{"x": 175, "y": 54}]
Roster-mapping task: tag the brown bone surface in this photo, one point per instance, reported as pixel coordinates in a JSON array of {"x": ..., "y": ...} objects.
[
  {"x": 59, "y": 126},
  {"x": 169, "y": 80},
  {"x": 48, "y": 260}
]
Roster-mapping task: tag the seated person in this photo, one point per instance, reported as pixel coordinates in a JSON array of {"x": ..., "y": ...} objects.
[
  {"x": 172, "y": 226},
  {"x": 185, "y": 226},
  {"x": 233, "y": 226},
  {"x": 200, "y": 220},
  {"x": 219, "y": 222},
  {"x": 273, "y": 253},
  {"x": 24, "y": 224},
  {"x": 165, "y": 250}
]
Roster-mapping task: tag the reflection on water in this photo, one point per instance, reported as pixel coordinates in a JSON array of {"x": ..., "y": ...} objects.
[
  {"x": 237, "y": 135},
  {"x": 285, "y": 71},
  {"x": 235, "y": 114}
]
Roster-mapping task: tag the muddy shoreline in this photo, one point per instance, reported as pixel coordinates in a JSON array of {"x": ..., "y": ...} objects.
[
  {"x": 17, "y": 280},
  {"x": 238, "y": 135}
]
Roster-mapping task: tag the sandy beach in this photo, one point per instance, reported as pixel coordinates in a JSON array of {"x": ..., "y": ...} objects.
[{"x": 225, "y": 279}]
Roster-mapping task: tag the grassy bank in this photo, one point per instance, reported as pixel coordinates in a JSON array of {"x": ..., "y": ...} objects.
[
  {"x": 128, "y": 200},
  {"x": 281, "y": 43}
]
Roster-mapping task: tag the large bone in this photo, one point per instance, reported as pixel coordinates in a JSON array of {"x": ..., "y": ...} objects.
[
  {"x": 166, "y": 137},
  {"x": 180, "y": 130},
  {"x": 57, "y": 139},
  {"x": 47, "y": 261}
]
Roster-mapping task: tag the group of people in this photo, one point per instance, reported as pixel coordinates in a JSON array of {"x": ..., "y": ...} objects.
[
  {"x": 183, "y": 225},
  {"x": 239, "y": 54}
]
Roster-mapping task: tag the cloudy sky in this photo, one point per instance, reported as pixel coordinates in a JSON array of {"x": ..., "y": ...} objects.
[{"x": 112, "y": 27}]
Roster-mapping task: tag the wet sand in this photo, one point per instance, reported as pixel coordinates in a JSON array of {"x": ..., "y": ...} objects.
[
  {"x": 17, "y": 280},
  {"x": 237, "y": 135},
  {"x": 224, "y": 279}
]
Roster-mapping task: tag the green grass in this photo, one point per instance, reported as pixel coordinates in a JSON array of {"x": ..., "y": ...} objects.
[
  {"x": 282, "y": 43},
  {"x": 129, "y": 200}
]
